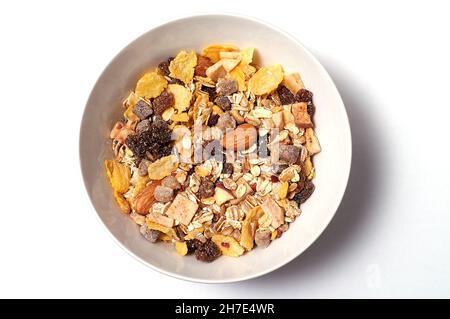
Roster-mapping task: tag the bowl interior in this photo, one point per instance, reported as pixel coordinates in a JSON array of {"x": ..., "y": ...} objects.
[{"x": 104, "y": 109}]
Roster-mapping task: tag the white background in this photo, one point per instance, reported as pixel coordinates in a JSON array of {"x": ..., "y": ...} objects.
[{"x": 390, "y": 237}]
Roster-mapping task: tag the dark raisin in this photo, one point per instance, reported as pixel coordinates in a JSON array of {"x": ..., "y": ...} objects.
[
  {"x": 207, "y": 252},
  {"x": 305, "y": 193},
  {"x": 163, "y": 102},
  {"x": 163, "y": 68},
  {"x": 193, "y": 244},
  {"x": 285, "y": 95},
  {"x": 176, "y": 81},
  {"x": 137, "y": 146},
  {"x": 223, "y": 102},
  {"x": 226, "y": 87},
  {"x": 211, "y": 91},
  {"x": 213, "y": 118},
  {"x": 202, "y": 64},
  {"x": 303, "y": 95},
  {"x": 311, "y": 109},
  {"x": 227, "y": 168},
  {"x": 206, "y": 188},
  {"x": 142, "y": 110},
  {"x": 274, "y": 179}
]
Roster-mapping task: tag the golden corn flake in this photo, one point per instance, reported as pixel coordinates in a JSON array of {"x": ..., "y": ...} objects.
[
  {"x": 182, "y": 96},
  {"x": 119, "y": 175},
  {"x": 247, "y": 56},
  {"x": 129, "y": 114},
  {"x": 155, "y": 226},
  {"x": 213, "y": 51},
  {"x": 182, "y": 67},
  {"x": 181, "y": 248},
  {"x": 162, "y": 167},
  {"x": 180, "y": 117},
  {"x": 247, "y": 236},
  {"x": 266, "y": 79},
  {"x": 150, "y": 85},
  {"x": 164, "y": 237},
  {"x": 228, "y": 245}
]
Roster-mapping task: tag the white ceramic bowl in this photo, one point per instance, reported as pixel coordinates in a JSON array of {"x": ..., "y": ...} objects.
[{"x": 273, "y": 46}]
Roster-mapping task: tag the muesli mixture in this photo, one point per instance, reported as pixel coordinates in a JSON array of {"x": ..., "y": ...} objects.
[{"x": 214, "y": 153}]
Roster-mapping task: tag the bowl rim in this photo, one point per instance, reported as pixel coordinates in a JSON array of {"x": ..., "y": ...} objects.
[{"x": 341, "y": 192}]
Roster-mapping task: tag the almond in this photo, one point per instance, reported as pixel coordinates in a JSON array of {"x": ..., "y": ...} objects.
[
  {"x": 240, "y": 138},
  {"x": 146, "y": 198}
]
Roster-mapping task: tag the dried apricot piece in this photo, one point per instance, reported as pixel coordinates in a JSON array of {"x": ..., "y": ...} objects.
[
  {"x": 182, "y": 67},
  {"x": 162, "y": 167},
  {"x": 182, "y": 96},
  {"x": 150, "y": 85},
  {"x": 228, "y": 245},
  {"x": 213, "y": 51},
  {"x": 122, "y": 202},
  {"x": 119, "y": 175},
  {"x": 163, "y": 229},
  {"x": 266, "y": 79},
  {"x": 239, "y": 76},
  {"x": 181, "y": 248}
]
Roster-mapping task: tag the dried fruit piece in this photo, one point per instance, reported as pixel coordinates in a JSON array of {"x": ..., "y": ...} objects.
[
  {"x": 119, "y": 175},
  {"x": 163, "y": 102},
  {"x": 180, "y": 117},
  {"x": 150, "y": 85},
  {"x": 289, "y": 153},
  {"x": 206, "y": 188},
  {"x": 160, "y": 219},
  {"x": 181, "y": 95},
  {"x": 312, "y": 143},
  {"x": 266, "y": 79},
  {"x": 143, "y": 126},
  {"x": 271, "y": 208},
  {"x": 228, "y": 245},
  {"x": 282, "y": 191},
  {"x": 182, "y": 67},
  {"x": 247, "y": 55},
  {"x": 239, "y": 76},
  {"x": 162, "y": 167},
  {"x": 145, "y": 199},
  {"x": 285, "y": 95},
  {"x": 206, "y": 252},
  {"x": 213, "y": 119},
  {"x": 222, "y": 195},
  {"x": 303, "y": 95},
  {"x": 213, "y": 51},
  {"x": 182, "y": 209},
  {"x": 226, "y": 86},
  {"x": 247, "y": 230},
  {"x": 293, "y": 82},
  {"x": 241, "y": 138},
  {"x": 181, "y": 248},
  {"x": 142, "y": 110},
  {"x": 305, "y": 193},
  {"x": 163, "y": 229},
  {"x": 163, "y": 68},
  {"x": 202, "y": 64},
  {"x": 301, "y": 115},
  {"x": 224, "y": 102},
  {"x": 216, "y": 71},
  {"x": 230, "y": 64},
  {"x": 122, "y": 202}
]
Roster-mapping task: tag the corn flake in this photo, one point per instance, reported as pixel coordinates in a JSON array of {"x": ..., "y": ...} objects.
[
  {"x": 266, "y": 79},
  {"x": 239, "y": 76},
  {"x": 182, "y": 96},
  {"x": 162, "y": 167},
  {"x": 213, "y": 51},
  {"x": 122, "y": 202},
  {"x": 182, "y": 67},
  {"x": 150, "y": 85},
  {"x": 228, "y": 245},
  {"x": 181, "y": 248}
]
